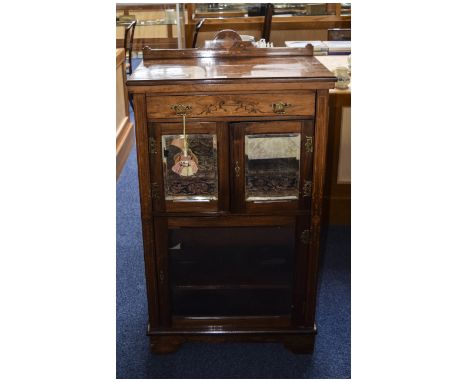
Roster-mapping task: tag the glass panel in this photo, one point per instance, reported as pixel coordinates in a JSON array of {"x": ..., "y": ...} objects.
[
  {"x": 222, "y": 9},
  {"x": 162, "y": 23},
  {"x": 345, "y": 9},
  {"x": 258, "y": 9},
  {"x": 310, "y": 9},
  {"x": 231, "y": 270},
  {"x": 272, "y": 166},
  {"x": 201, "y": 186}
]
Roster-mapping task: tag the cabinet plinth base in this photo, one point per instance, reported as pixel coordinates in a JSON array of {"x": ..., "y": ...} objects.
[
  {"x": 300, "y": 345},
  {"x": 166, "y": 344},
  {"x": 169, "y": 343}
]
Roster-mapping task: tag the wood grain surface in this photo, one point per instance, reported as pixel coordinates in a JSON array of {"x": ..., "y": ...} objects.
[
  {"x": 300, "y": 104},
  {"x": 232, "y": 95}
]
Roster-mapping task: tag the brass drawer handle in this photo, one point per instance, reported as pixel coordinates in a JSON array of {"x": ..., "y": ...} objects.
[
  {"x": 237, "y": 169},
  {"x": 181, "y": 109},
  {"x": 280, "y": 107}
]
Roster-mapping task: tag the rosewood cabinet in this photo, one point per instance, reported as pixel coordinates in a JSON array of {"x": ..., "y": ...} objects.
[{"x": 231, "y": 251}]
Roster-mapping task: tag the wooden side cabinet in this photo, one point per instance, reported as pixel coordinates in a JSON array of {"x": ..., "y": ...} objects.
[{"x": 231, "y": 250}]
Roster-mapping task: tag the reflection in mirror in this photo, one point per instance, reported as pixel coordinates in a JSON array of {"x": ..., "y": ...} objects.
[
  {"x": 203, "y": 185},
  {"x": 272, "y": 166}
]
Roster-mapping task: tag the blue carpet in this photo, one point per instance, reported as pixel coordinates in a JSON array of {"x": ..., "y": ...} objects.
[{"x": 332, "y": 355}]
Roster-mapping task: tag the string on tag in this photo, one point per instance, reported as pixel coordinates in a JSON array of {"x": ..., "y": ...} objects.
[{"x": 186, "y": 163}]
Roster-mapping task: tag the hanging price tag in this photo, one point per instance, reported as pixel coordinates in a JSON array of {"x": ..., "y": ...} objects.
[{"x": 186, "y": 163}]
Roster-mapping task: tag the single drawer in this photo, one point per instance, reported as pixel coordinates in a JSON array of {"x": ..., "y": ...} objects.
[{"x": 226, "y": 105}]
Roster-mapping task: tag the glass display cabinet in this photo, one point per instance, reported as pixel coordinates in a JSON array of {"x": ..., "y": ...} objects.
[
  {"x": 290, "y": 21},
  {"x": 222, "y": 9},
  {"x": 158, "y": 25},
  {"x": 231, "y": 155},
  {"x": 258, "y": 9}
]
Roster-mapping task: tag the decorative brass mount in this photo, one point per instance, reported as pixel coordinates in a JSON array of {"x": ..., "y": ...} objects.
[
  {"x": 309, "y": 144},
  {"x": 237, "y": 169},
  {"x": 307, "y": 188}
]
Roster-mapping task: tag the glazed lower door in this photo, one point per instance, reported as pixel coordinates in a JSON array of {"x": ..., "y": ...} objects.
[{"x": 219, "y": 268}]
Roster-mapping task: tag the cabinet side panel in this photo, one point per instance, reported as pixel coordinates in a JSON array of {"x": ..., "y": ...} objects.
[
  {"x": 318, "y": 183},
  {"x": 146, "y": 206}
]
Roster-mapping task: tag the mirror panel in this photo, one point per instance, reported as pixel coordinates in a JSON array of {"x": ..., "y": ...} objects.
[
  {"x": 203, "y": 184},
  {"x": 272, "y": 163}
]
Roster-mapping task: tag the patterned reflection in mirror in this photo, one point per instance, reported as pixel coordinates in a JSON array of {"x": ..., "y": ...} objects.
[
  {"x": 203, "y": 185},
  {"x": 272, "y": 166}
]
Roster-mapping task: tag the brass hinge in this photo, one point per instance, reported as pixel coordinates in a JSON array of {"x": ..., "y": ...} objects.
[
  {"x": 307, "y": 188},
  {"x": 155, "y": 191},
  {"x": 305, "y": 236},
  {"x": 309, "y": 144},
  {"x": 161, "y": 276},
  {"x": 237, "y": 169},
  {"x": 152, "y": 146}
]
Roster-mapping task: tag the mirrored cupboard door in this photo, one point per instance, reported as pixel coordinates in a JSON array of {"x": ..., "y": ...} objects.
[
  {"x": 197, "y": 184},
  {"x": 271, "y": 165}
]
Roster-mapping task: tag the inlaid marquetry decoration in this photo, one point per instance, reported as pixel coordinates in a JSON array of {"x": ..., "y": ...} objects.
[
  {"x": 231, "y": 106},
  {"x": 272, "y": 166}
]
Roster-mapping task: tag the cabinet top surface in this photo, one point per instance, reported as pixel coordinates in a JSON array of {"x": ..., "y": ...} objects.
[{"x": 233, "y": 68}]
